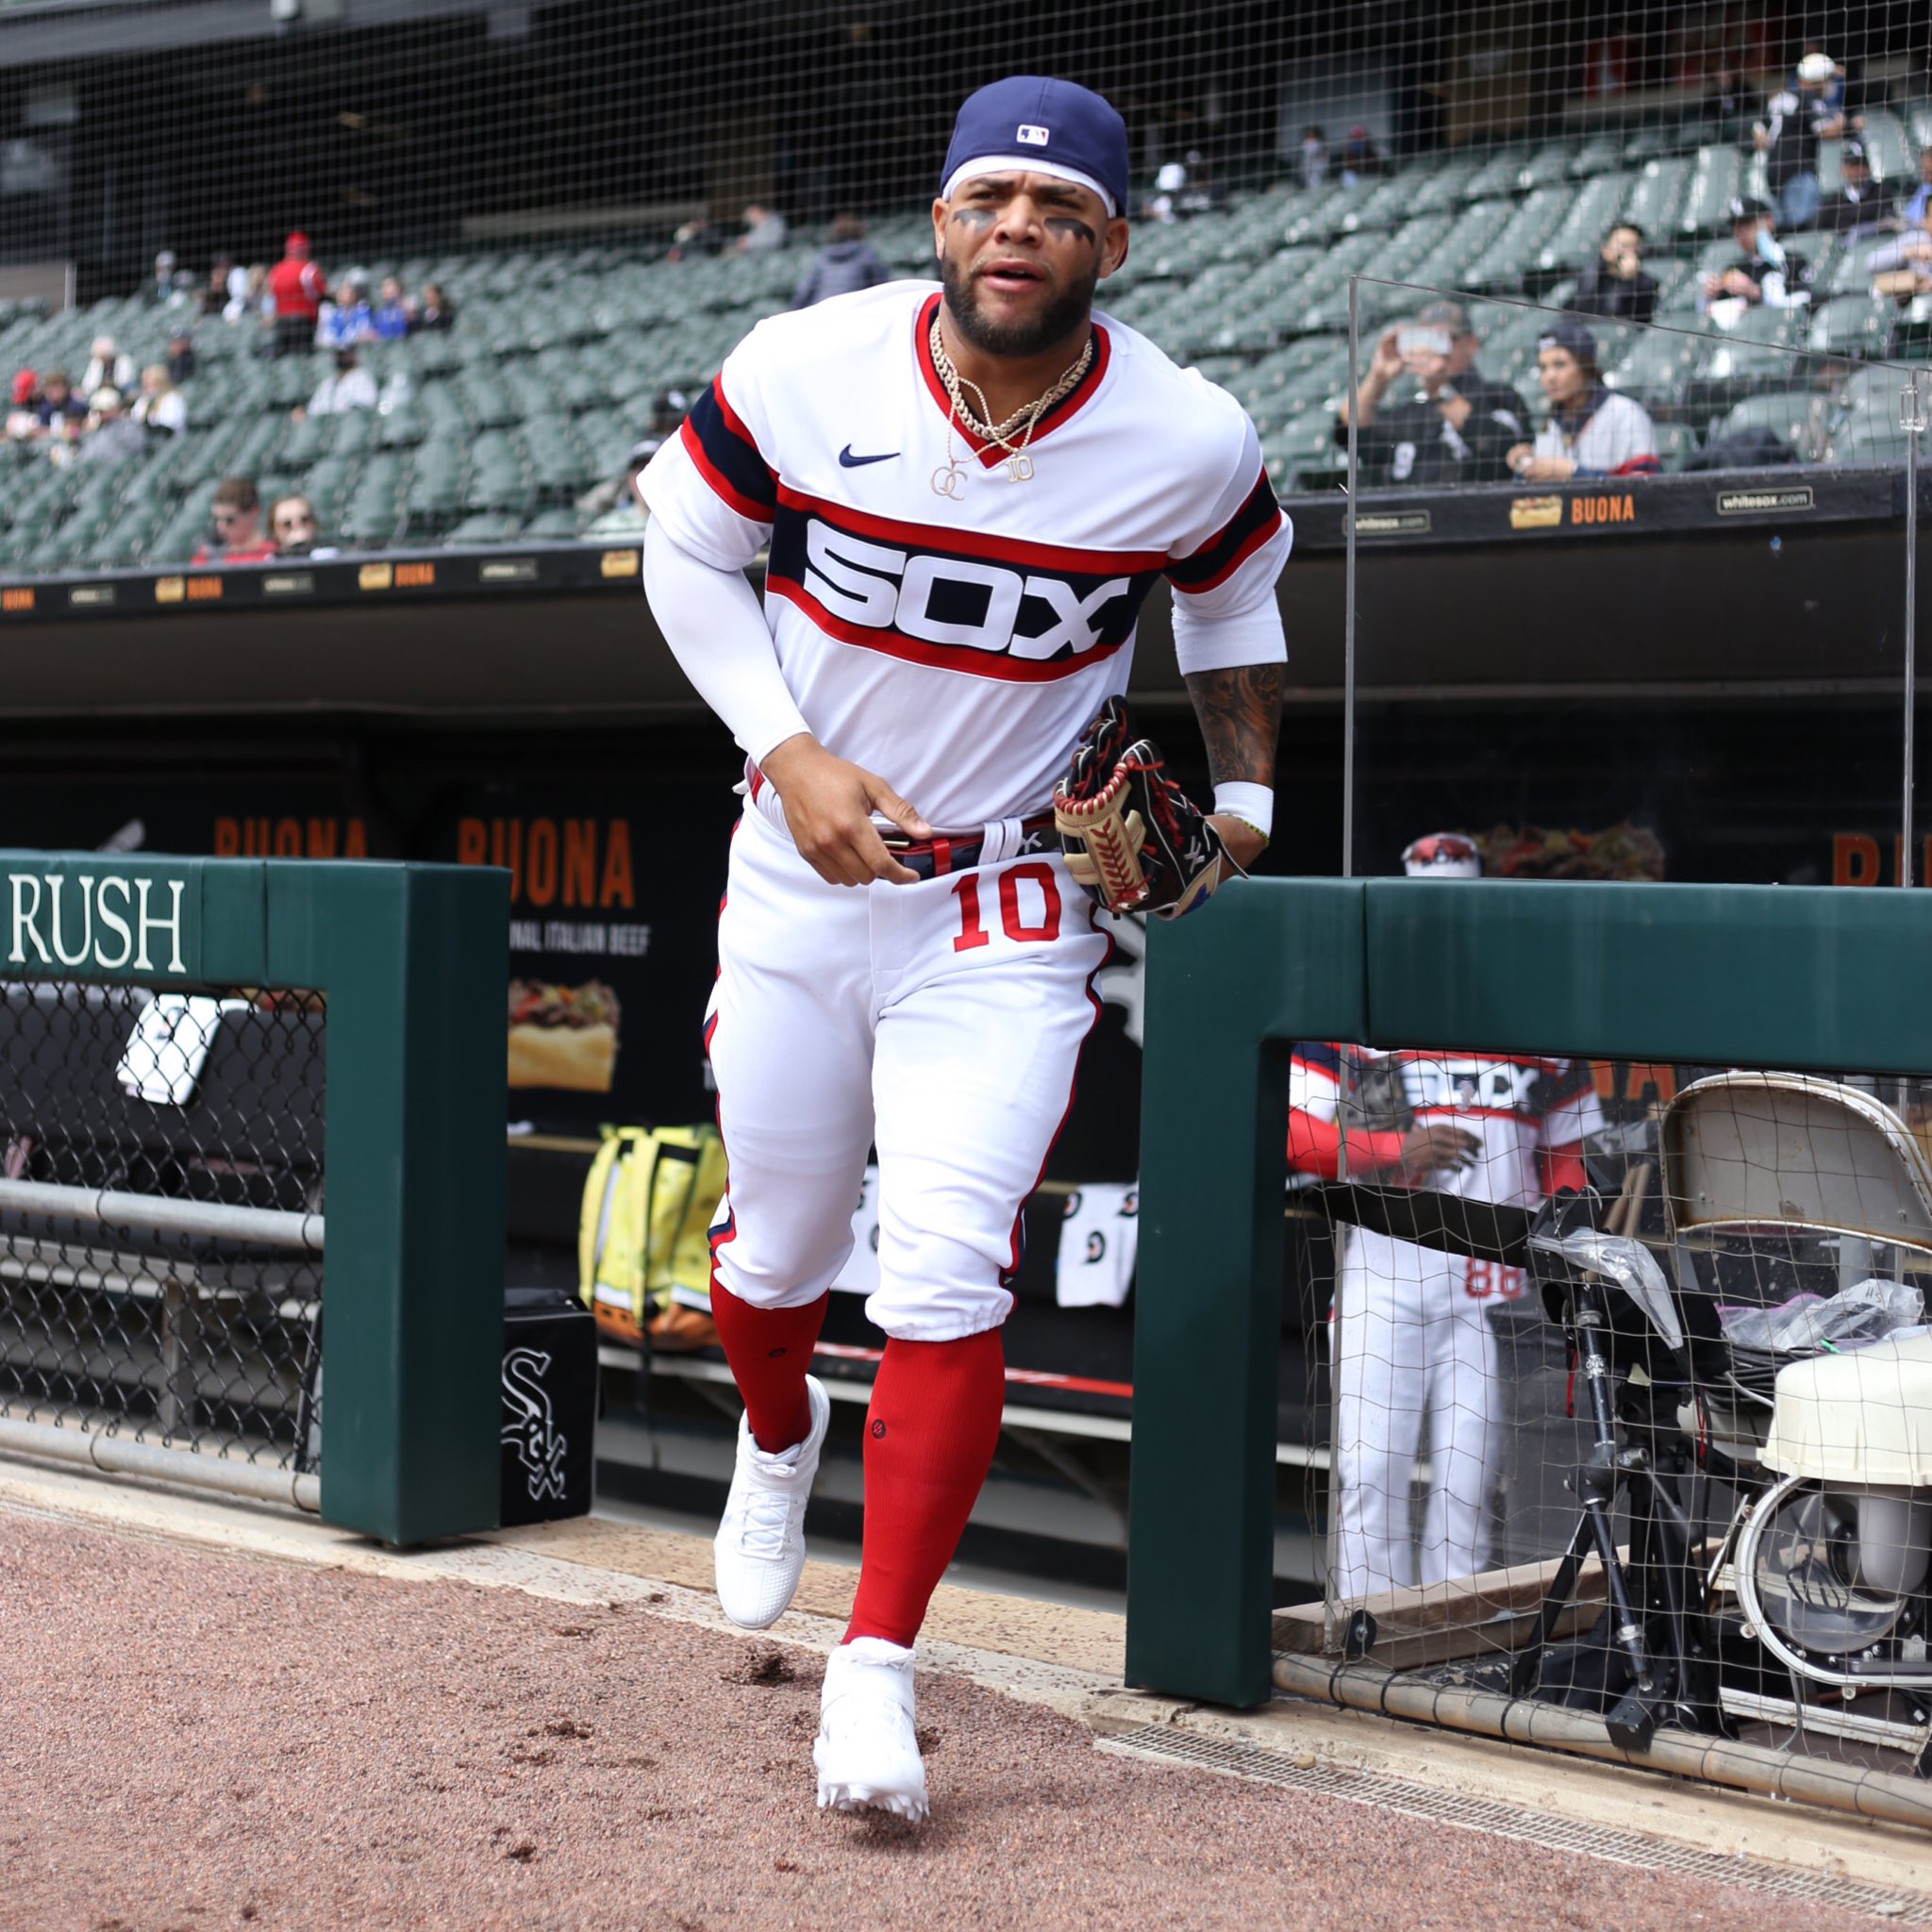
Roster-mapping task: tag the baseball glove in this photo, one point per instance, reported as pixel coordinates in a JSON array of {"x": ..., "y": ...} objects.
[{"x": 1129, "y": 834}]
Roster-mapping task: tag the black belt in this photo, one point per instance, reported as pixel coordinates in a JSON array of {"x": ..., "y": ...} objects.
[{"x": 934, "y": 858}]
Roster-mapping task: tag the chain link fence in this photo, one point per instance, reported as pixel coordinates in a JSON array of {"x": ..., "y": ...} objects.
[
  {"x": 161, "y": 1222},
  {"x": 1659, "y": 1458}
]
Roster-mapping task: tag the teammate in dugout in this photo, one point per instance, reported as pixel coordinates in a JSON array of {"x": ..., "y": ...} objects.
[
  {"x": 1417, "y": 1373},
  {"x": 968, "y": 488}
]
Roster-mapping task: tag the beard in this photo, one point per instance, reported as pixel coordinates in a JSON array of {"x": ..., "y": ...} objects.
[{"x": 1055, "y": 323}]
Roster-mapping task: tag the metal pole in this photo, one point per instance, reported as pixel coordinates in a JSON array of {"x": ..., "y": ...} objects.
[
  {"x": 268, "y": 1226},
  {"x": 1354, "y": 385},
  {"x": 1914, "y": 427},
  {"x": 115, "y": 1455}
]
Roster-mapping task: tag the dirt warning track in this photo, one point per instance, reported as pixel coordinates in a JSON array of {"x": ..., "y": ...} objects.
[{"x": 194, "y": 1739}]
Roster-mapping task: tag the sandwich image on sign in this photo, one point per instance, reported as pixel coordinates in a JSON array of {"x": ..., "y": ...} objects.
[{"x": 562, "y": 1036}]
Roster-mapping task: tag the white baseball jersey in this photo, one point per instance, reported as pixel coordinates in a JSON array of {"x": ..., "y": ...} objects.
[
  {"x": 938, "y": 640},
  {"x": 1615, "y": 437}
]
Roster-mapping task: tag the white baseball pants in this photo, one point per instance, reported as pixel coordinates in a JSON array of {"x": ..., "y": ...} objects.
[
  {"x": 939, "y": 1022},
  {"x": 1417, "y": 1374}
]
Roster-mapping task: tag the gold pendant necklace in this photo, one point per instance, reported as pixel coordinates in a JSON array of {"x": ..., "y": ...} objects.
[{"x": 949, "y": 480}]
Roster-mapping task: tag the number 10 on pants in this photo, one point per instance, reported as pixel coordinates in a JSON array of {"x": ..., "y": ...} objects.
[{"x": 1013, "y": 921}]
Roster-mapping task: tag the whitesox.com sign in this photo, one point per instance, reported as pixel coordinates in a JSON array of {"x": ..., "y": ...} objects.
[{"x": 991, "y": 606}]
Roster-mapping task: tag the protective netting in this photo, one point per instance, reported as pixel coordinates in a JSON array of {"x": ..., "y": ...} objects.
[
  {"x": 1628, "y": 1388},
  {"x": 160, "y": 1216},
  {"x": 536, "y": 229}
]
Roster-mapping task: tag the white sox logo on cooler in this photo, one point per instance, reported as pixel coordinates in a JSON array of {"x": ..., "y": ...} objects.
[
  {"x": 997, "y": 609},
  {"x": 110, "y": 922}
]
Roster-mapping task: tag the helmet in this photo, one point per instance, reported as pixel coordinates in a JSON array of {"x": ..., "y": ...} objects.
[{"x": 1443, "y": 856}]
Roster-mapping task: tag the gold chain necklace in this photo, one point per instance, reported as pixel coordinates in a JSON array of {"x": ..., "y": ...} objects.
[{"x": 949, "y": 480}]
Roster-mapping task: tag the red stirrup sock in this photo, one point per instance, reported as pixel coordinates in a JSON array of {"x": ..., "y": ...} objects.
[
  {"x": 770, "y": 1350},
  {"x": 931, "y": 1431}
]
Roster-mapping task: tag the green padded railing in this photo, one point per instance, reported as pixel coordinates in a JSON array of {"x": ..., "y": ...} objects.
[
  {"x": 413, "y": 960},
  {"x": 1803, "y": 977}
]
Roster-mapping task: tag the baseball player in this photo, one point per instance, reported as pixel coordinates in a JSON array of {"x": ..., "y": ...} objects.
[
  {"x": 967, "y": 489},
  {"x": 1416, "y": 1362}
]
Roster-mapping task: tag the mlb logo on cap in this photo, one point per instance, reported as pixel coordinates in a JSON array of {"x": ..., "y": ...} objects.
[{"x": 1033, "y": 137}]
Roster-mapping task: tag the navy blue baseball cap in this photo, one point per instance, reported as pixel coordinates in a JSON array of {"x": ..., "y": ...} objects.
[
  {"x": 1571, "y": 337},
  {"x": 1044, "y": 127}
]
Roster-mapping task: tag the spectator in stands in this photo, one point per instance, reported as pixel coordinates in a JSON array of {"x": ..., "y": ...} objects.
[
  {"x": 347, "y": 318},
  {"x": 161, "y": 289},
  {"x": 695, "y": 239},
  {"x": 57, "y": 404},
  {"x": 250, "y": 301},
  {"x": 845, "y": 264},
  {"x": 1913, "y": 209},
  {"x": 23, "y": 414},
  {"x": 62, "y": 443},
  {"x": 764, "y": 227},
  {"x": 238, "y": 535},
  {"x": 351, "y": 387},
  {"x": 1833, "y": 92},
  {"x": 1614, "y": 285},
  {"x": 1591, "y": 431},
  {"x": 392, "y": 319},
  {"x": 1314, "y": 168},
  {"x": 182, "y": 360},
  {"x": 1902, "y": 266},
  {"x": 214, "y": 298},
  {"x": 292, "y": 523},
  {"x": 1451, "y": 424},
  {"x": 1788, "y": 138},
  {"x": 1358, "y": 157},
  {"x": 113, "y": 436},
  {"x": 669, "y": 409},
  {"x": 1861, "y": 204},
  {"x": 295, "y": 286},
  {"x": 160, "y": 407},
  {"x": 1764, "y": 271},
  {"x": 434, "y": 309},
  {"x": 107, "y": 367}
]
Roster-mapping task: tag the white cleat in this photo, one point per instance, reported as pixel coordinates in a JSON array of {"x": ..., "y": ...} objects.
[
  {"x": 759, "y": 1547},
  {"x": 867, "y": 1751}
]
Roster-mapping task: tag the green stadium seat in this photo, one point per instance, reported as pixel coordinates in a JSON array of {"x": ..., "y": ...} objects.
[{"x": 1796, "y": 418}]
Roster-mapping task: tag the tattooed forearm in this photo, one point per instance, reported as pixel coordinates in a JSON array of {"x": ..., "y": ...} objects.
[{"x": 1239, "y": 710}]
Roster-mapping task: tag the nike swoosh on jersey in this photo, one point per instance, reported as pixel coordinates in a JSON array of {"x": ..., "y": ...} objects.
[{"x": 848, "y": 461}]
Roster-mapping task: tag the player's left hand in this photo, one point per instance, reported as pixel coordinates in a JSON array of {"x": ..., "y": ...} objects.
[{"x": 1130, "y": 835}]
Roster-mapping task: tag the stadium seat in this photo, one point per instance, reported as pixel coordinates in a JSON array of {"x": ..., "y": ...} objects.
[{"x": 1796, "y": 418}]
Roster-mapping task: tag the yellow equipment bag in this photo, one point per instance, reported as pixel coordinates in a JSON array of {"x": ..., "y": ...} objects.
[{"x": 642, "y": 1235}]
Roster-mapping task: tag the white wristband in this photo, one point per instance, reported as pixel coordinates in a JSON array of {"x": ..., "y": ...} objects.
[{"x": 1254, "y": 805}]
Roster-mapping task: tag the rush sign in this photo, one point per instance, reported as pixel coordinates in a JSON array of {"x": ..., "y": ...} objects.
[{"x": 106, "y": 923}]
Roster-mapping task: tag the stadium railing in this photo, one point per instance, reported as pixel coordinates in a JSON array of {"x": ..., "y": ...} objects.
[{"x": 198, "y": 1217}]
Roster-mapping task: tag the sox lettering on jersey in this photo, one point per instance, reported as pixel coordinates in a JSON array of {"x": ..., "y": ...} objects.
[{"x": 1001, "y": 609}]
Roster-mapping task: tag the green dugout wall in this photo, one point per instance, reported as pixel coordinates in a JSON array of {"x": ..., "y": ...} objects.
[
  {"x": 412, "y": 960},
  {"x": 1803, "y": 977}
]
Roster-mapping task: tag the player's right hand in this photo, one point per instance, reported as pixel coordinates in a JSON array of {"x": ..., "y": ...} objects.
[
  {"x": 829, "y": 805},
  {"x": 1437, "y": 1147}
]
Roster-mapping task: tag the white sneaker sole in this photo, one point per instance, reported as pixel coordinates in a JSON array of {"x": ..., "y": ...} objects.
[{"x": 853, "y": 1794}]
